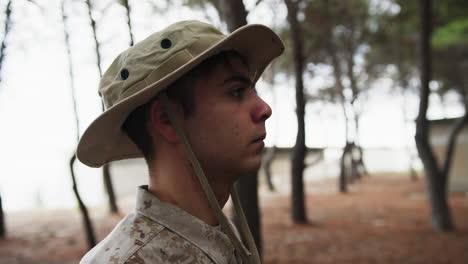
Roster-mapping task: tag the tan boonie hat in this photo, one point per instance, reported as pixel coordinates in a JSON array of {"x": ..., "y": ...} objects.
[{"x": 141, "y": 72}]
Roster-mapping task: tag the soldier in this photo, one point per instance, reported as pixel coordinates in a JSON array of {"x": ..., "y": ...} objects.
[{"x": 184, "y": 99}]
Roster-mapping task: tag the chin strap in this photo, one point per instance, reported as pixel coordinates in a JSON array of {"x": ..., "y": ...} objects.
[{"x": 248, "y": 257}]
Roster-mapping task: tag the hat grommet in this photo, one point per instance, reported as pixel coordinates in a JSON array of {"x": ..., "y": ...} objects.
[
  {"x": 124, "y": 74},
  {"x": 166, "y": 43}
]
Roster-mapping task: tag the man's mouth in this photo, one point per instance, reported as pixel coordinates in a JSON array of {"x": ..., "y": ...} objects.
[{"x": 260, "y": 138}]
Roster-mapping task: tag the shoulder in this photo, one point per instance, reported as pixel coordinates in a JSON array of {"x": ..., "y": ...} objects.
[
  {"x": 128, "y": 236},
  {"x": 169, "y": 247},
  {"x": 138, "y": 239}
]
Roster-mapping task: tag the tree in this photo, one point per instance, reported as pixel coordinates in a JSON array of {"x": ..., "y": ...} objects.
[
  {"x": 2, "y": 220},
  {"x": 5, "y": 35},
  {"x": 338, "y": 33},
  {"x": 443, "y": 63},
  {"x": 436, "y": 179},
  {"x": 450, "y": 50},
  {"x": 107, "y": 179},
  {"x": 234, "y": 14},
  {"x": 348, "y": 37},
  {"x": 299, "y": 151},
  {"x": 128, "y": 12},
  {"x": 269, "y": 154},
  {"x": 394, "y": 54},
  {"x": 267, "y": 162},
  {"x": 448, "y": 46},
  {"x": 89, "y": 231},
  {"x": 3, "y": 47}
]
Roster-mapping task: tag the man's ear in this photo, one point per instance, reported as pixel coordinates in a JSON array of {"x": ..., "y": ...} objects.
[{"x": 160, "y": 123}]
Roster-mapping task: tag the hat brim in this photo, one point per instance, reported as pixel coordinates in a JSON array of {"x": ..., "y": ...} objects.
[{"x": 104, "y": 140}]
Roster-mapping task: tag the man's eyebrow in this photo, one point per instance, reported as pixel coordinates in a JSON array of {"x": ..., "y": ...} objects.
[{"x": 238, "y": 78}]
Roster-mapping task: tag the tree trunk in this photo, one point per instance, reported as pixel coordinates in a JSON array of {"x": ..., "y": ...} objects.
[
  {"x": 267, "y": 161},
  {"x": 413, "y": 174},
  {"x": 355, "y": 175},
  {"x": 97, "y": 45},
  {"x": 436, "y": 180},
  {"x": 342, "y": 179},
  {"x": 84, "y": 211},
  {"x": 106, "y": 177},
  {"x": 2, "y": 58},
  {"x": 357, "y": 162},
  {"x": 360, "y": 167},
  {"x": 233, "y": 13},
  {"x": 338, "y": 74},
  {"x": 128, "y": 12},
  {"x": 299, "y": 150},
  {"x": 344, "y": 176},
  {"x": 113, "y": 208},
  {"x": 269, "y": 155},
  {"x": 2, "y": 220},
  {"x": 247, "y": 188},
  {"x": 411, "y": 156},
  {"x": 66, "y": 39},
  {"x": 5, "y": 35}
]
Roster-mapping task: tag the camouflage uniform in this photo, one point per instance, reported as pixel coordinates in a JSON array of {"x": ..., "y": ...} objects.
[{"x": 159, "y": 232}]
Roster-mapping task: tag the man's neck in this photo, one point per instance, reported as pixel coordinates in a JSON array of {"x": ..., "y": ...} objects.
[{"x": 179, "y": 185}]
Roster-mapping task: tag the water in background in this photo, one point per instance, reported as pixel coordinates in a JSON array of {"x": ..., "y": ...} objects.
[{"x": 53, "y": 189}]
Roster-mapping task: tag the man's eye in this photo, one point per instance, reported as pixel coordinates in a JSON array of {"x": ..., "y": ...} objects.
[{"x": 237, "y": 92}]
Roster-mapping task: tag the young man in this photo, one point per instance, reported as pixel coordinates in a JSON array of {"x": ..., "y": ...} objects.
[{"x": 184, "y": 99}]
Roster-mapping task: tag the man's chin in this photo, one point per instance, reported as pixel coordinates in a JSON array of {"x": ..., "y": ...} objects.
[{"x": 253, "y": 167}]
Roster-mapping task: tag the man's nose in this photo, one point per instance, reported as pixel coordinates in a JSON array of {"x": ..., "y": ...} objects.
[{"x": 262, "y": 111}]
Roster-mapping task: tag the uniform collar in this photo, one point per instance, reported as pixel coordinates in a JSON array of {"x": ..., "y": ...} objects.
[{"x": 209, "y": 239}]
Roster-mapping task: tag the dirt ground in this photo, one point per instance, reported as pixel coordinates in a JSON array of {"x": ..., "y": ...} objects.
[{"x": 383, "y": 219}]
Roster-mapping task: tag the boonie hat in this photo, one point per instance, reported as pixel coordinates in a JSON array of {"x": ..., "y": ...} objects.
[{"x": 141, "y": 72}]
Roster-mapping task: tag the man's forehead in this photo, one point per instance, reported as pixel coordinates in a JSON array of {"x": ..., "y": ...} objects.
[
  {"x": 237, "y": 78},
  {"x": 236, "y": 67},
  {"x": 226, "y": 66}
]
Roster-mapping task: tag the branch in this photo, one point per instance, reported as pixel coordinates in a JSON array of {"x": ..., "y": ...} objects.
[
  {"x": 451, "y": 145},
  {"x": 36, "y": 4},
  {"x": 89, "y": 230},
  {"x": 96, "y": 42},
  {"x": 258, "y": 2},
  {"x": 316, "y": 160},
  {"x": 66, "y": 39}
]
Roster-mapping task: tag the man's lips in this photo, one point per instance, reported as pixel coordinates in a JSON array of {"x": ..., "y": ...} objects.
[{"x": 260, "y": 138}]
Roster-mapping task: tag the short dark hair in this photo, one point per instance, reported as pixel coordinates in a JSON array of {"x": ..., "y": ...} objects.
[{"x": 181, "y": 92}]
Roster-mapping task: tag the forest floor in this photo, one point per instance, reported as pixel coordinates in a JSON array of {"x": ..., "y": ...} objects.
[{"x": 382, "y": 219}]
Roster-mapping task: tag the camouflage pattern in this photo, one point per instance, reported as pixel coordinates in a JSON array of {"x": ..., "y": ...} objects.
[{"x": 159, "y": 232}]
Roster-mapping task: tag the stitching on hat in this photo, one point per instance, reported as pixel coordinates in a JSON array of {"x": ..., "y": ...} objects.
[
  {"x": 182, "y": 57},
  {"x": 164, "y": 69}
]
